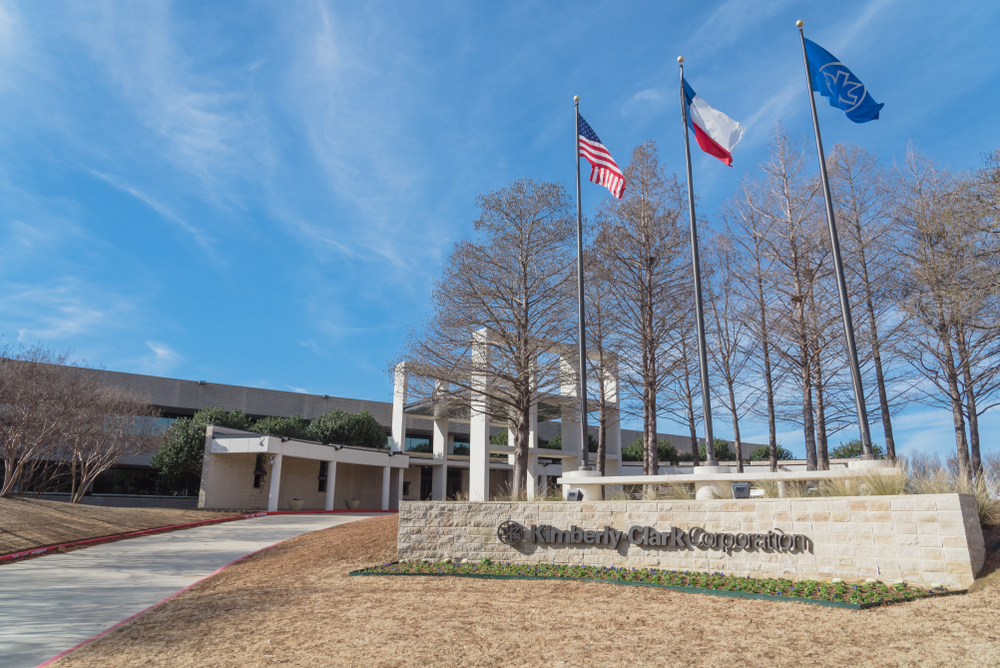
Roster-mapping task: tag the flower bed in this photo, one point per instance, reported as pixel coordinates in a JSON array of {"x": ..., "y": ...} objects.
[{"x": 835, "y": 594}]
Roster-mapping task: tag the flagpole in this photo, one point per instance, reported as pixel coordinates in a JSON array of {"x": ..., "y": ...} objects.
[
  {"x": 845, "y": 305},
  {"x": 582, "y": 332},
  {"x": 706, "y": 398}
]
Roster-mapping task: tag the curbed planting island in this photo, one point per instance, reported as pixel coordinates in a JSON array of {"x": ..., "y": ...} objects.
[{"x": 833, "y": 594}]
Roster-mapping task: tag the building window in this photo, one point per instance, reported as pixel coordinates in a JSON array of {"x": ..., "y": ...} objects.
[
  {"x": 418, "y": 444},
  {"x": 406, "y": 488},
  {"x": 322, "y": 476}
]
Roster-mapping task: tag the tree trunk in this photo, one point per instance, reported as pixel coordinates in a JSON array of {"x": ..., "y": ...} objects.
[
  {"x": 822, "y": 449},
  {"x": 970, "y": 399},
  {"x": 12, "y": 472},
  {"x": 883, "y": 397},
  {"x": 689, "y": 399},
  {"x": 957, "y": 410},
  {"x": 808, "y": 427},
  {"x": 772, "y": 431},
  {"x": 602, "y": 438},
  {"x": 649, "y": 491},
  {"x": 519, "y": 488},
  {"x": 737, "y": 441}
]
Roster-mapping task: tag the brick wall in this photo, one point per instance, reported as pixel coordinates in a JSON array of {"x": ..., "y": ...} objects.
[{"x": 924, "y": 539}]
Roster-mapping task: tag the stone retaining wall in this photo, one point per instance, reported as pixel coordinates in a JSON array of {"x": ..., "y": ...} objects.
[{"x": 925, "y": 539}]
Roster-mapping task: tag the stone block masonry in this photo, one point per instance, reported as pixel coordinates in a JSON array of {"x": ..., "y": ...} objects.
[{"x": 923, "y": 539}]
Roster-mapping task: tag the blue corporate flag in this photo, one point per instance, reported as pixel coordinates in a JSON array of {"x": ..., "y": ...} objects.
[{"x": 832, "y": 79}]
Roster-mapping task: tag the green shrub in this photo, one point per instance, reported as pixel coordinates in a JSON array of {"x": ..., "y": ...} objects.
[
  {"x": 344, "y": 428},
  {"x": 555, "y": 443},
  {"x": 184, "y": 443},
  {"x": 723, "y": 452},
  {"x": 499, "y": 438},
  {"x": 763, "y": 454},
  {"x": 665, "y": 452},
  {"x": 852, "y": 449},
  {"x": 291, "y": 427}
]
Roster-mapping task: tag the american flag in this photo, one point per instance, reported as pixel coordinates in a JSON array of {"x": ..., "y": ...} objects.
[{"x": 603, "y": 168}]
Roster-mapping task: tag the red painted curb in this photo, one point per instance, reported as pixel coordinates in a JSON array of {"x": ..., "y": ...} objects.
[
  {"x": 195, "y": 584},
  {"x": 173, "y": 527}
]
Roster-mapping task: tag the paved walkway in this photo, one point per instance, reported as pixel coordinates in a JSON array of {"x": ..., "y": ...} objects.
[{"x": 54, "y": 602}]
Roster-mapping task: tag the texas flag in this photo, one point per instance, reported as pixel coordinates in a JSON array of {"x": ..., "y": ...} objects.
[{"x": 717, "y": 134}]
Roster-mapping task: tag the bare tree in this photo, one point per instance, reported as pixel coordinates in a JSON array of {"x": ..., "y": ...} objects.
[
  {"x": 730, "y": 322},
  {"x": 683, "y": 382},
  {"x": 514, "y": 284},
  {"x": 108, "y": 425},
  {"x": 861, "y": 194},
  {"x": 939, "y": 276},
  {"x": 642, "y": 245},
  {"x": 787, "y": 197},
  {"x": 602, "y": 342},
  {"x": 748, "y": 228},
  {"x": 31, "y": 411},
  {"x": 977, "y": 321}
]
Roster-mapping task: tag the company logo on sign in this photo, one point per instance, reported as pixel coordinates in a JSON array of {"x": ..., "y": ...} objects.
[{"x": 512, "y": 533}]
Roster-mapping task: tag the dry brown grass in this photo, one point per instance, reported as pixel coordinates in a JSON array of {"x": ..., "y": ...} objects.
[
  {"x": 295, "y": 605},
  {"x": 30, "y": 523}
]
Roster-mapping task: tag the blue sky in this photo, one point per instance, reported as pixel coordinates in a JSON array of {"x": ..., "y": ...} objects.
[{"x": 263, "y": 193}]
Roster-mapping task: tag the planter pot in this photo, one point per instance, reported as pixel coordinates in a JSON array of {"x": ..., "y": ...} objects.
[
  {"x": 352, "y": 504},
  {"x": 295, "y": 504}
]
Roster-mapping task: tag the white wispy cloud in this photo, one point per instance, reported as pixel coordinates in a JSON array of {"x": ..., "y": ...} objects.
[
  {"x": 62, "y": 310},
  {"x": 163, "y": 359},
  {"x": 646, "y": 104},
  {"x": 201, "y": 119},
  {"x": 198, "y": 235}
]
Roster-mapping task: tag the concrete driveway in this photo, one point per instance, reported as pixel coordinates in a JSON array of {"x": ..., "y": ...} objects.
[{"x": 54, "y": 602}]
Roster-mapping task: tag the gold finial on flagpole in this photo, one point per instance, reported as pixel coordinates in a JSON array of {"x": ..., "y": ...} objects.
[
  {"x": 799, "y": 23},
  {"x": 680, "y": 59},
  {"x": 576, "y": 98}
]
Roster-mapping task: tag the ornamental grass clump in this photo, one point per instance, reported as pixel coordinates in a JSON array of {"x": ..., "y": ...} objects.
[
  {"x": 866, "y": 593},
  {"x": 881, "y": 482}
]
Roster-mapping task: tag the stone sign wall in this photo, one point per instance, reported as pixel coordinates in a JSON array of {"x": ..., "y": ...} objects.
[{"x": 923, "y": 539}]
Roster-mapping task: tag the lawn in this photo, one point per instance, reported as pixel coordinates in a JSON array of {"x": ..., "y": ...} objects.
[
  {"x": 30, "y": 523},
  {"x": 295, "y": 604}
]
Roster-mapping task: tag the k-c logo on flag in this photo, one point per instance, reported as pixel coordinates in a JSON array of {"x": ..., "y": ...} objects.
[
  {"x": 832, "y": 80},
  {"x": 850, "y": 91}
]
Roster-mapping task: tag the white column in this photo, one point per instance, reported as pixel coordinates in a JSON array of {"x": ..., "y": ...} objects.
[
  {"x": 331, "y": 482},
  {"x": 439, "y": 472},
  {"x": 385, "y": 487},
  {"x": 272, "y": 494},
  {"x": 613, "y": 428},
  {"x": 401, "y": 385},
  {"x": 479, "y": 423},
  {"x": 569, "y": 414}
]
